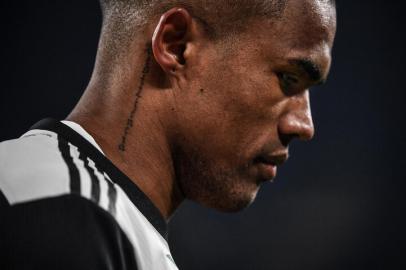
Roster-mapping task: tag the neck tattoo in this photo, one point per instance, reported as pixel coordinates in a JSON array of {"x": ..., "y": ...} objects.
[{"x": 129, "y": 123}]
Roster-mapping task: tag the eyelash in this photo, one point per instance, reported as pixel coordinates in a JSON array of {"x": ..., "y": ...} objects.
[{"x": 286, "y": 79}]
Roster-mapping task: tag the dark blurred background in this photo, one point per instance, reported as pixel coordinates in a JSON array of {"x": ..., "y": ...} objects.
[{"x": 339, "y": 203}]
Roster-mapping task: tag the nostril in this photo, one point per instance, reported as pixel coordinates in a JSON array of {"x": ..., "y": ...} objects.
[
  {"x": 286, "y": 138},
  {"x": 290, "y": 130}
]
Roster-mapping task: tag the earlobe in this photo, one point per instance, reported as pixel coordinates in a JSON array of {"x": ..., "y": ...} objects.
[{"x": 170, "y": 39}]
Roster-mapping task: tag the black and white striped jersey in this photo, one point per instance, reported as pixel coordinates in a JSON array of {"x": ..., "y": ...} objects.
[{"x": 64, "y": 205}]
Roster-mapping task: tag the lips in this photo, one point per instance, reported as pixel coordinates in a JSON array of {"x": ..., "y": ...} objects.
[
  {"x": 272, "y": 159},
  {"x": 266, "y": 171},
  {"x": 267, "y": 164}
]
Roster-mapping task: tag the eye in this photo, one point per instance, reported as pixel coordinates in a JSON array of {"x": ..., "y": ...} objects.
[
  {"x": 287, "y": 81},
  {"x": 287, "y": 78}
]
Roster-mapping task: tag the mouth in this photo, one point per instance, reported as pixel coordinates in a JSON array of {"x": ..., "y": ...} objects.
[{"x": 267, "y": 164}]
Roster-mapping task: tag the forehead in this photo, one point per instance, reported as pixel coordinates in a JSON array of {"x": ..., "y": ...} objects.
[
  {"x": 306, "y": 30},
  {"x": 310, "y": 21}
]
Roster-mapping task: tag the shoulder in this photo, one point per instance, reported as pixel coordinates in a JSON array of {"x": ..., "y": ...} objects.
[
  {"x": 42, "y": 165},
  {"x": 31, "y": 167},
  {"x": 56, "y": 207},
  {"x": 54, "y": 183}
]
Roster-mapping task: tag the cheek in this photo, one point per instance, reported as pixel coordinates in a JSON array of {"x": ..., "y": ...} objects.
[
  {"x": 253, "y": 106},
  {"x": 250, "y": 89},
  {"x": 252, "y": 101},
  {"x": 229, "y": 113}
]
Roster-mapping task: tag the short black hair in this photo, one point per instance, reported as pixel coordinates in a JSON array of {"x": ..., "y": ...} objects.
[{"x": 219, "y": 17}]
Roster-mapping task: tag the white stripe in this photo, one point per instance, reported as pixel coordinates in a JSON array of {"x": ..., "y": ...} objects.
[
  {"x": 151, "y": 249},
  {"x": 106, "y": 176}
]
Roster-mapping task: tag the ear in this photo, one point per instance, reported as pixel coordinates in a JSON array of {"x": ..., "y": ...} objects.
[{"x": 170, "y": 39}]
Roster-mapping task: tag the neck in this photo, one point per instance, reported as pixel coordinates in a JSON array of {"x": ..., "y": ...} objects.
[{"x": 130, "y": 127}]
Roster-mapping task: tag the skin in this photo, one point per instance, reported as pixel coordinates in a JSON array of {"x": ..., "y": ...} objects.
[{"x": 194, "y": 117}]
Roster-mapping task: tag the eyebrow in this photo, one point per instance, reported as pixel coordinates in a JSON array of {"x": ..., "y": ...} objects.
[{"x": 310, "y": 68}]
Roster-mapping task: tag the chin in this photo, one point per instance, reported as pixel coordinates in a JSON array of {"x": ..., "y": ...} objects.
[
  {"x": 218, "y": 188},
  {"x": 230, "y": 202},
  {"x": 233, "y": 207}
]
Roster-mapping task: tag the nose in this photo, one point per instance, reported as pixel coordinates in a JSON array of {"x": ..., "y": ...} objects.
[{"x": 297, "y": 120}]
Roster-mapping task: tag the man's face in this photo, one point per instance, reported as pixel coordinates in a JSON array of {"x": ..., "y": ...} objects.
[{"x": 246, "y": 98}]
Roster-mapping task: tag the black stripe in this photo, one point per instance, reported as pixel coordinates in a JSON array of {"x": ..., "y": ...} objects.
[
  {"x": 3, "y": 200},
  {"x": 138, "y": 198},
  {"x": 95, "y": 187},
  {"x": 112, "y": 194},
  {"x": 111, "y": 191},
  {"x": 73, "y": 170}
]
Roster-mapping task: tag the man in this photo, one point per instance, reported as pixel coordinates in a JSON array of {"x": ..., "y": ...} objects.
[{"x": 190, "y": 100}]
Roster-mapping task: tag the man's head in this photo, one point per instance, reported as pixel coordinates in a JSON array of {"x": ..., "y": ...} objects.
[{"x": 233, "y": 80}]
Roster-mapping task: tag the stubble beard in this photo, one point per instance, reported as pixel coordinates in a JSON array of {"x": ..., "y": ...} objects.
[{"x": 213, "y": 185}]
